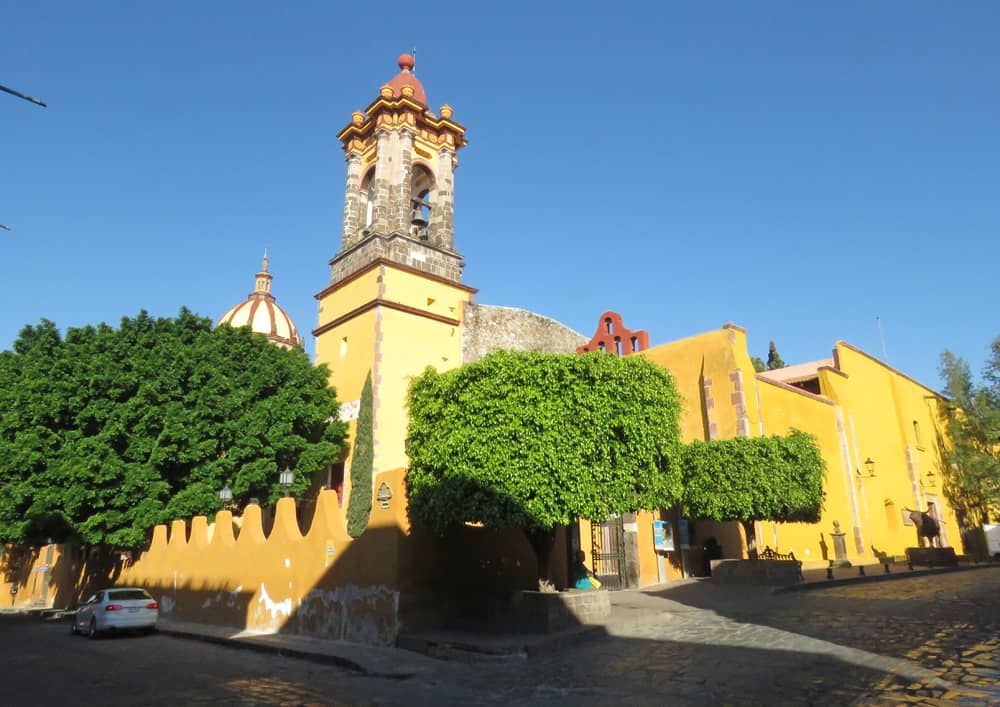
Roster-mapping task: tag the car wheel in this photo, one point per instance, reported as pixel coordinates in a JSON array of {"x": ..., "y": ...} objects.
[
  {"x": 73, "y": 630},
  {"x": 92, "y": 632}
]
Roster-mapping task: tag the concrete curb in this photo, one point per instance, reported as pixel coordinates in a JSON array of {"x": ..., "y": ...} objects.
[
  {"x": 456, "y": 648},
  {"x": 870, "y": 578},
  {"x": 261, "y": 647}
]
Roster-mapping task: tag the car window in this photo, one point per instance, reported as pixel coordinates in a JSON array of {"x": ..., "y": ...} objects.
[
  {"x": 125, "y": 594},
  {"x": 99, "y": 597},
  {"x": 91, "y": 600}
]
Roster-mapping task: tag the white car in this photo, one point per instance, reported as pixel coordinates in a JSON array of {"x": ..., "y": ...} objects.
[{"x": 118, "y": 608}]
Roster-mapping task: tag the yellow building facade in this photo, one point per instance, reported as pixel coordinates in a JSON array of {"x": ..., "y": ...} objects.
[{"x": 878, "y": 431}]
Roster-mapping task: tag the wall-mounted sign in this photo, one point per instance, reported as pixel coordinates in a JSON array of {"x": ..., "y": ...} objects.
[
  {"x": 663, "y": 536},
  {"x": 685, "y": 535},
  {"x": 384, "y": 495}
]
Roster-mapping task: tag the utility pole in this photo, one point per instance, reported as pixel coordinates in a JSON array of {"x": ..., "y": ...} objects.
[{"x": 30, "y": 99}]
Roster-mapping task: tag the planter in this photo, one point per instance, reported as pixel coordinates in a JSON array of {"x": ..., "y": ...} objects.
[{"x": 546, "y": 612}]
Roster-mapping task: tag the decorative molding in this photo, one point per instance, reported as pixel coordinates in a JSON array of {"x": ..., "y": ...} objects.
[
  {"x": 379, "y": 302},
  {"x": 398, "y": 266}
]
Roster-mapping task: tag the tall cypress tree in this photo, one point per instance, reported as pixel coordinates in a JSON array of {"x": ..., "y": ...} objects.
[
  {"x": 359, "y": 506},
  {"x": 774, "y": 358}
]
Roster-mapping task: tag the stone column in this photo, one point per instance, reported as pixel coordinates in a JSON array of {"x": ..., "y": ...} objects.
[
  {"x": 382, "y": 213},
  {"x": 354, "y": 202},
  {"x": 402, "y": 189},
  {"x": 442, "y": 224}
]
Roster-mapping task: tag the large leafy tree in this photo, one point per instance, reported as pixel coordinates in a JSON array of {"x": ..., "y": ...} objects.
[
  {"x": 109, "y": 431},
  {"x": 747, "y": 479},
  {"x": 774, "y": 360},
  {"x": 972, "y": 452},
  {"x": 535, "y": 441}
]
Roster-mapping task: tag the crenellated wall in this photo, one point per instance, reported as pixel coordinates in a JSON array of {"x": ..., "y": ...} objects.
[{"x": 320, "y": 582}]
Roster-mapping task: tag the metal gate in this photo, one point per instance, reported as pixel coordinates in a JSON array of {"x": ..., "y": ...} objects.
[{"x": 608, "y": 552}]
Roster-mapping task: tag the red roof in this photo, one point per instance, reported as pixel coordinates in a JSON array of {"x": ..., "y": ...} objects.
[{"x": 405, "y": 77}]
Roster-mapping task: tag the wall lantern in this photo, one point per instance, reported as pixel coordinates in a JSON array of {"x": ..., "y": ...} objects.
[
  {"x": 286, "y": 479},
  {"x": 870, "y": 468},
  {"x": 226, "y": 495}
]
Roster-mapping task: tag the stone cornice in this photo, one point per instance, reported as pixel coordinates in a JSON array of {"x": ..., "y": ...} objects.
[
  {"x": 398, "y": 266},
  {"x": 388, "y": 304}
]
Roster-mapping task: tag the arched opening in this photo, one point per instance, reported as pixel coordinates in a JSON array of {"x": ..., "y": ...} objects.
[
  {"x": 368, "y": 190},
  {"x": 421, "y": 189}
]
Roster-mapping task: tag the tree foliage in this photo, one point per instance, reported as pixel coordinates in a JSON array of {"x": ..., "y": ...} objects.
[
  {"x": 758, "y": 364},
  {"x": 535, "y": 440},
  {"x": 359, "y": 507},
  {"x": 972, "y": 453},
  {"x": 754, "y": 478},
  {"x": 773, "y": 357},
  {"x": 108, "y": 431}
]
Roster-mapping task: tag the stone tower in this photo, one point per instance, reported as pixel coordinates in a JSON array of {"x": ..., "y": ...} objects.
[{"x": 395, "y": 302}]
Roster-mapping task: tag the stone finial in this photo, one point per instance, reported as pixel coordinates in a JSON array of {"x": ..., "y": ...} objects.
[
  {"x": 357, "y": 117},
  {"x": 385, "y": 91},
  {"x": 836, "y": 527},
  {"x": 407, "y": 91},
  {"x": 406, "y": 62},
  {"x": 446, "y": 111}
]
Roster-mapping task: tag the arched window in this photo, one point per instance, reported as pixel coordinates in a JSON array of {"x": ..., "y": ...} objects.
[{"x": 368, "y": 189}]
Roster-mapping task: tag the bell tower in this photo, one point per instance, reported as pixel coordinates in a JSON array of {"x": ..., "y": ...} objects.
[
  {"x": 400, "y": 200},
  {"x": 395, "y": 300}
]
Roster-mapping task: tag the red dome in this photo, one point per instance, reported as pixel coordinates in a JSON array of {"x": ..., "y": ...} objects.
[{"x": 405, "y": 77}]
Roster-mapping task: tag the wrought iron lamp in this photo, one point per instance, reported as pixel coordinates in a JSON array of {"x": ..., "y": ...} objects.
[
  {"x": 286, "y": 479},
  {"x": 870, "y": 468}
]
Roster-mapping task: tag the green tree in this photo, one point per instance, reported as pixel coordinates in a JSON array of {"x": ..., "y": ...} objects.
[
  {"x": 107, "y": 431},
  {"x": 758, "y": 364},
  {"x": 971, "y": 452},
  {"x": 535, "y": 441},
  {"x": 773, "y": 357},
  {"x": 359, "y": 508},
  {"x": 747, "y": 479}
]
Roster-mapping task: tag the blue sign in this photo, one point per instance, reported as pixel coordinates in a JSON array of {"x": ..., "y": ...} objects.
[{"x": 663, "y": 536}]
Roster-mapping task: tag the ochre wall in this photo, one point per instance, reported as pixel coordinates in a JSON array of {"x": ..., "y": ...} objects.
[{"x": 320, "y": 582}]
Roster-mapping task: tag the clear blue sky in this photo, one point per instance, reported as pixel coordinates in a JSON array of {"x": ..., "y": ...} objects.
[{"x": 795, "y": 168}]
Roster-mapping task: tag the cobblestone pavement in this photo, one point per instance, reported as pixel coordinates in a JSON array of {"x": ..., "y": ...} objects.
[
  {"x": 930, "y": 640},
  {"x": 926, "y": 640}
]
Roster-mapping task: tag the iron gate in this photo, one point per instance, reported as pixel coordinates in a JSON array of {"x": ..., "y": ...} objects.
[{"x": 608, "y": 552}]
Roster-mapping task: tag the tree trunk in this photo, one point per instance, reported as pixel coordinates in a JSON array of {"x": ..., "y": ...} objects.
[
  {"x": 542, "y": 542},
  {"x": 751, "y": 534}
]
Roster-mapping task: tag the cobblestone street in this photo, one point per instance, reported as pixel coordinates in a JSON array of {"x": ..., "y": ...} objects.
[{"x": 926, "y": 640}]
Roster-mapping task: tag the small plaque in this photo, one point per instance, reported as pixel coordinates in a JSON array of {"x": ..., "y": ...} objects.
[{"x": 384, "y": 495}]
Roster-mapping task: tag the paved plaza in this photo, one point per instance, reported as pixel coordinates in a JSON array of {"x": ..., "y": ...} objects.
[{"x": 921, "y": 639}]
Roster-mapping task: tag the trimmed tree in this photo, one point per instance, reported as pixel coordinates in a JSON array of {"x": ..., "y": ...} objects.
[
  {"x": 536, "y": 441},
  {"x": 747, "y": 479},
  {"x": 106, "y": 432},
  {"x": 359, "y": 506}
]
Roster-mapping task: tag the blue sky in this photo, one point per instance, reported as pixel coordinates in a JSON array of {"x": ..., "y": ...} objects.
[{"x": 796, "y": 168}]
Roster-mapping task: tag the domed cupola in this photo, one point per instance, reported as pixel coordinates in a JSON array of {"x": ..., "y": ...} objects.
[{"x": 262, "y": 314}]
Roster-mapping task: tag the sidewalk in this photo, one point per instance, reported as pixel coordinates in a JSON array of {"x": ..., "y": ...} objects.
[{"x": 375, "y": 661}]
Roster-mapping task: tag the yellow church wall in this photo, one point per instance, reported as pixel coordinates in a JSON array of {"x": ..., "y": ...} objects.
[
  {"x": 785, "y": 408},
  {"x": 693, "y": 361},
  {"x": 320, "y": 581},
  {"x": 880, "y": 406}
]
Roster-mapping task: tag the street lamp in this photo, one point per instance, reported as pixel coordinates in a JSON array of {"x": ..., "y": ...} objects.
[
  {"x": 931, "y": 478},
  {"x": 870, "y": 467},
  {"x": 226, "y": 495},
  {"x": 286, "y": 479}
]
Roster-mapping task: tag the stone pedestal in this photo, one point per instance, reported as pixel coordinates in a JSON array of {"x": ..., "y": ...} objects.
[{"x": 839, "y": 547}]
